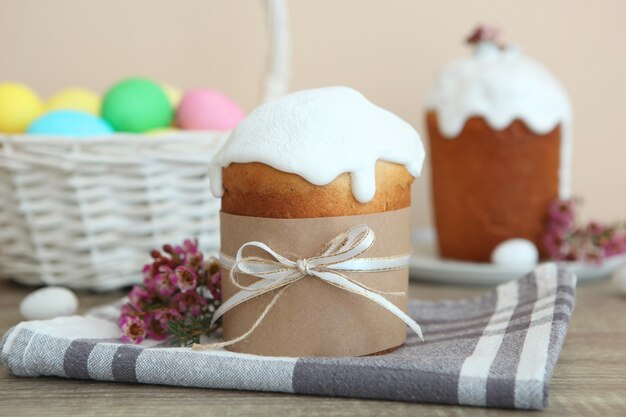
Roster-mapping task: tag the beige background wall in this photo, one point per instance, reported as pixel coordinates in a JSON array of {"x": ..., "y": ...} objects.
[{"x": 389, "y": 50}]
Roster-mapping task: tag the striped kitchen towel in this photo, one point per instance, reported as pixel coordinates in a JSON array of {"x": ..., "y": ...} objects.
[{"x": 497, "y": 350}]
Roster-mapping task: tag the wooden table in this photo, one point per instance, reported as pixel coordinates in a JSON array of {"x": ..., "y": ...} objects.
[{"x": 589, "y": 380}]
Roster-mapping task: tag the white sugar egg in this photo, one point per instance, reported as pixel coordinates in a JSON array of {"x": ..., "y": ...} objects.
[
  {"x": 48, "y": 302},
  {"x": 515, "y": 253}
]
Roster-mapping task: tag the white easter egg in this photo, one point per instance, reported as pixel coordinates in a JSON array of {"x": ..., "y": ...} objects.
[
  {"x": 48, "y": 302},
  {"x": 515, "y": 253},
  {"x": 620, "y": 279}
]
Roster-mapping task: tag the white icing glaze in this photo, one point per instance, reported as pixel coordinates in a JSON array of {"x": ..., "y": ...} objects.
[
  {"x": 320, "y": 134},
  {"x": 502, "y": 85}
]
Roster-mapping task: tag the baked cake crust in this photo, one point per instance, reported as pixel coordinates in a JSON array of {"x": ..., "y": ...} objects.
[
  {"x": 256, "y": 189},
  {"x": 490, "y": 186}
]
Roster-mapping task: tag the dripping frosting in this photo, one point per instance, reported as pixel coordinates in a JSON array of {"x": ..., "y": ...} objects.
[
  {"x": 502, "y": 85},
  {"x": 320, "y": 134}
]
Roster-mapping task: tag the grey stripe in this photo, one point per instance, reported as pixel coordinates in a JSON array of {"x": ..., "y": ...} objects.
[
  {"x": 501, "y": 380},
  {"x": 373, "y": 382},
  {"x": 76, "y": 359},
  {"x": 408, "y": 374},
  {"x": 124, "y": 363}
]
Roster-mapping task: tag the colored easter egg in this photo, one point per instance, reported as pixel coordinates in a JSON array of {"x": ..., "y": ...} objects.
[
  {"x": 75, "y": 99},
  {"x": 69, "y": 123},
  {"x": 19, "y": 106},
  {"x": 204, "y": 109},
  {"x": 516, "y": 253},
  {"x": 48, "y": 303},
  {"x": 163, "y": 131},
  {"x": 137, "y": 105},
  {"x": 174, "y": 95}
]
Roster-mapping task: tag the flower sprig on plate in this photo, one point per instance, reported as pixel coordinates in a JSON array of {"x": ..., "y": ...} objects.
[
  {"x": 566, "y": 240},
  {"x": 179, "y": 294}
]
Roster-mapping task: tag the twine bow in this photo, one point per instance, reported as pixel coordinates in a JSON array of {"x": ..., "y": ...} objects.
[{"x": 337, "y": 257}]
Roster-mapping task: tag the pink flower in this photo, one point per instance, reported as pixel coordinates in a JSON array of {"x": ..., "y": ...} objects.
[
  {"x": 139, "y": 295},
  {"x": 166, "y": 281},
  {"x": 552, "y": 243},
  {"x": 562, "y": 214},
  {"x": 133, "y": 328},
  {"x": 483, "y": 33},
  {"x": 166, "y": 315},
  {"x": 154, "y": 328},
  {"x": 194, "y": 261},
  {"x": 189, "y": 254},
  {"x": 613, "y": 244},
  {"x": 189, "y": 301},
  {"x": 213, "y": 285},
  {"x": 190, "y": 246},
  {"x": 129, "y": 310},
  {"x": 216, "y": 278},
  {"x": 558, "y": 240},
  {"x": 177, "y": 286},
  {"x": 595, "y": 228},
  {"x": 149, "y": 273},
  {"x": 186, "y": 279}
]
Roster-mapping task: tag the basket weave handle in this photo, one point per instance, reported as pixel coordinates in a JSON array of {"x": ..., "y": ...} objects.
[{"x": 277, "y": 77}]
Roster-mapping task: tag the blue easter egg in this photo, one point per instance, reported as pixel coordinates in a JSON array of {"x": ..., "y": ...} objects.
[{"x": 69, "y": 123}]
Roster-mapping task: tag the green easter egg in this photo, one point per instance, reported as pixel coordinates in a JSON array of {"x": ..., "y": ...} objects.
[{"x": 137, "y": 105}]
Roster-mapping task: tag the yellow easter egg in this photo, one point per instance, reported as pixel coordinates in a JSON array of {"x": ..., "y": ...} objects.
[
  {"x": 19, "y": 106},
  {"x": 75, "y": 98},
  {"x": 174, "y": 94},
  {"x": 162, "y": 131}
]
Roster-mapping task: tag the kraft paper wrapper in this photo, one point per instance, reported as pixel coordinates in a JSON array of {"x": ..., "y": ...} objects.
[{"x": 313, "y": 318}]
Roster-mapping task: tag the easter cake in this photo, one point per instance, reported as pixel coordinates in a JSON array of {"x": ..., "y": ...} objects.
[
  {"x": 499, "y": 128},
  {"x": 295, "y": 173}
]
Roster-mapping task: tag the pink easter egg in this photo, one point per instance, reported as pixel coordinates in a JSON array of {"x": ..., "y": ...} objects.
[{"x": 204, "y": 109}]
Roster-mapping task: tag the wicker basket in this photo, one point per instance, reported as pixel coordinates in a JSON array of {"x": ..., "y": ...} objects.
[{"x": 84, "y": 212}]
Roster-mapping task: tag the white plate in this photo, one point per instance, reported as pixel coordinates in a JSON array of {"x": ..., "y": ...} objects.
[{"x": 426, "y": 265}]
